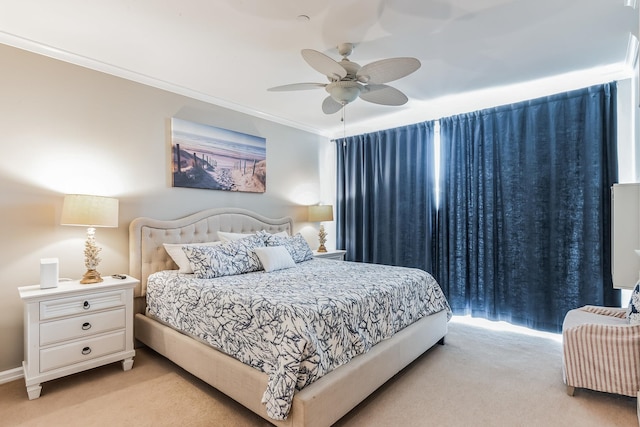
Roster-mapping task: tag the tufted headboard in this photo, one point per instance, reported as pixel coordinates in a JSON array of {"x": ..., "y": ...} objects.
[{"x": 146, "y": 236}]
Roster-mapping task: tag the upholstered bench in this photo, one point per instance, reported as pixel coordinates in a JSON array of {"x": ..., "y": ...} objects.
[{"x": 601, "y": 351}]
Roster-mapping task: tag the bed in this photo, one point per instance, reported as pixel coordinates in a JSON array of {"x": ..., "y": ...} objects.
[{"x": 323, "y": 400}]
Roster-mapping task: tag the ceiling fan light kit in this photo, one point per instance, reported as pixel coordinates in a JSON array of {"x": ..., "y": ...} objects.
[
  {"x": 349, "y": 81},
  {"x": 344, "y": 91}
]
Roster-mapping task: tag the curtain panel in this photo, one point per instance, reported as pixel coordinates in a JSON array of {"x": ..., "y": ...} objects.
[
  {"x": 385, "y": 198},
  {"x": 523, "y": 232}
]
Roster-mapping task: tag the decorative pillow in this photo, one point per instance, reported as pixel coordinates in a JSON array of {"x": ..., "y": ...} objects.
[
  {"x": 275, "y": 258},
  {"x": 226, "y": 259},
  {"x": 296, "y": 245},
  {"x": 229, "y": 237},
  {"x": 633, "y": 310},
  {"x": 179, "y": 257}
]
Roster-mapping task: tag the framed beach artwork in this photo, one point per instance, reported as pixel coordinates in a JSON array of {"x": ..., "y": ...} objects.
[{"x": 217, "y": 159}]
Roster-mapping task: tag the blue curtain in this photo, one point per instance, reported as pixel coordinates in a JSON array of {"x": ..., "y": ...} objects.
[
  {"x": 384, "y": 206},
  {"x": 524, "y": 225}
]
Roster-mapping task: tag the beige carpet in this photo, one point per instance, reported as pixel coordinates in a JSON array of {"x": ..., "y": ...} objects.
[{"x": 479, "y": 378}]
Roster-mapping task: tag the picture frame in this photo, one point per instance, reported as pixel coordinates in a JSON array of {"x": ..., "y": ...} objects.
[{"x": 213, "y": 158}]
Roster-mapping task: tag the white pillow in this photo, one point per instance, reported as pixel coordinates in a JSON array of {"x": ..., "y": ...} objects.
[
  {"x": 180, "y": 258},
  {"x": 230, "y": 237},
  {"x": 274, "y": 258}
]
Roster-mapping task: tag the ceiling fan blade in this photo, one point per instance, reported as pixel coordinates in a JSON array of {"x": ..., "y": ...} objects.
[
  {"x": 330, "y": 105},
  {"x": 323, "y": 64},
  {"x": 383, "y": 95},
  {"x": 387, "y": 70},
  {"x": 296, "y": 86}
]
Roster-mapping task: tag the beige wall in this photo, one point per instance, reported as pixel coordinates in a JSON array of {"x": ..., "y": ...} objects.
[{"x": 66, "y": 129}]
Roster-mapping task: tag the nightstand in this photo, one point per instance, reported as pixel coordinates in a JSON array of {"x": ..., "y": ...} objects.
[
  {"x": 75, "y": 327},
  {"x": 334, "y": 254}
]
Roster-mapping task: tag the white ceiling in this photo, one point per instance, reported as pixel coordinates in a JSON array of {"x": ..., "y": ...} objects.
[{"x": 228, "y": 52}]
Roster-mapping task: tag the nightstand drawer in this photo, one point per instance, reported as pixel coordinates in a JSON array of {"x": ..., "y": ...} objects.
[
  {"x": 79, "y": 351},
  {"x": 81, "y": 304},
  {"x": 81, "y": 326}
]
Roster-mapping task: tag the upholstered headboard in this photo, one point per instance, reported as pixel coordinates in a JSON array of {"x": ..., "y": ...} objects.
[{"x": 146, "y": 236}]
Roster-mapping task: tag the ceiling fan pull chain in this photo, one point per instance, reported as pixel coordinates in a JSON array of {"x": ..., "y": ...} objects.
[{"x": 344, "y": 125}]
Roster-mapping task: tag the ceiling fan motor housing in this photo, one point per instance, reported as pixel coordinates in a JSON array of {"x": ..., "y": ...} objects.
[{"x": 351, "y": 67}]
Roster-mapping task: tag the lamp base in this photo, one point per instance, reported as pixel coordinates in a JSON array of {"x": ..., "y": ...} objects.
[
  {"x": 91, "y": 276},
  {"x": 322, "y": 238}
]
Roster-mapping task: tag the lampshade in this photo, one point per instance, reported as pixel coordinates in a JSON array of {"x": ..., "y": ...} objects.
[
  {"x": 89, "y": 211},
  {"x": 320, "y": 213}
]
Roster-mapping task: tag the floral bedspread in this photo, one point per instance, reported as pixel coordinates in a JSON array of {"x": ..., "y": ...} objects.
[{"x": 297, "y": 324}]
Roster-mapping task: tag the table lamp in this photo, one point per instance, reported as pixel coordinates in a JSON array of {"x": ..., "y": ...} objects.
[
  {"x": 319, "y": 214},
  {"x": 91, "y": 212}
]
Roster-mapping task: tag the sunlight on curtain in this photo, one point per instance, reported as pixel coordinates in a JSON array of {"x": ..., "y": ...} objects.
[{"x": 436, "y": 166}]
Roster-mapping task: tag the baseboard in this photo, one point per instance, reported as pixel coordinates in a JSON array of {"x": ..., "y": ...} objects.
[{"x": 11, "y": 375}]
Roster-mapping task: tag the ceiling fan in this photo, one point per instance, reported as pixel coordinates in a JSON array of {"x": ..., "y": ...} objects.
[{"x": 348, "y": 80}]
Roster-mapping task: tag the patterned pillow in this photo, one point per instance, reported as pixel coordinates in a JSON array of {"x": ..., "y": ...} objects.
[
  {"x": 296, "y": 245},
  {"x": 226, "y": 259},
  {"x": 633, "y": 310},
  {"x": 178, "y": 256}
]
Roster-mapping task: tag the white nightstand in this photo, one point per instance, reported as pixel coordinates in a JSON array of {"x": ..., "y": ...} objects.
[
  {"x": 334, "y": 254},
  {"x": 75, "y": 327}
]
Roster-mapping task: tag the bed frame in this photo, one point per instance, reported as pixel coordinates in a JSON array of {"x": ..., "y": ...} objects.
[{"x": 319, "y": 404}]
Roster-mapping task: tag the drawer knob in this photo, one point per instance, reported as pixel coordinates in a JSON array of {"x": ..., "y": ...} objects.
[
  {"x": 86, "y": 305},
  {"x": 86, "y": 350},
  {"x": 86, "y": 326}
]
